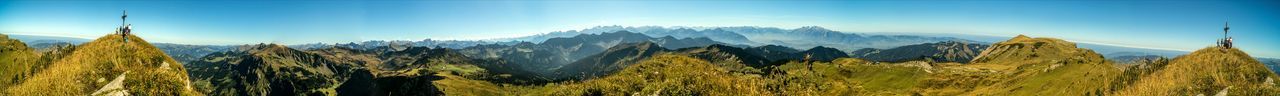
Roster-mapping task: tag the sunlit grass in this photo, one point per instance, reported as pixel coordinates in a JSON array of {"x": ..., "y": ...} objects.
[{"x": 105, "y": 58}]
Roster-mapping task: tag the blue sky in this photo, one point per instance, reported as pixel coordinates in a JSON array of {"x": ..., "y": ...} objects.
[{"x": 1163, "y": 24}]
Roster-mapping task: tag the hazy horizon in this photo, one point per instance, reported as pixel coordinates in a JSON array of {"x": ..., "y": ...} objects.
[{"x": 1176, "y": 25}]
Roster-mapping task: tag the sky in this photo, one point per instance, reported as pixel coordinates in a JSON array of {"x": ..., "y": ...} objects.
[{"x": 1160, "y": 24}]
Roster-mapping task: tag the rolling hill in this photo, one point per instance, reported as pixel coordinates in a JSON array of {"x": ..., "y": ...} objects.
[
  {"x": 1043, "y": 66},
  {"x": 271, "y": 69},
  {"x": 545, "y": 57},
  {"x": 133, "y": 67},
  {"x": 267, "y": 70}
]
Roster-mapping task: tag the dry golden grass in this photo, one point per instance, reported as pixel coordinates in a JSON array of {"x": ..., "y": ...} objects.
[
  {"x": 82, "y": 72},
  {"x": 1208, "y": 71},
  {"x": 458, "y": 85}
]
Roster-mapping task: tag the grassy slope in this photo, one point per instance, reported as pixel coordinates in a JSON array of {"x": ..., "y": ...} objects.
[
  {"x": 1019, "y": 67},
  {"x": 86, "y": 69},
  {"x": 1044, "y": 66},
  {"x": 847, "y": 76},
  {"x": 666, "y": 75},
  {"x": 458, "y": 85},
  {"x": 16, "y": 62},
  {"x": 1208, "y": 71},
  {"x": 1024, "y": 66}
]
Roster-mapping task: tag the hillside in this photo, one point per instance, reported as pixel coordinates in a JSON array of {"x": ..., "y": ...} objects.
[
  {"x": 266, "y": 69},
  {"x": 188, "y": 53},
  {"x": 609, "y": 61},
  {"x": 133, "y": 67},
  {"x": 1019, "y": 66},
  {"x": 743, "y": 60},
  {"x": 663, "y": 75},
  {"x": 18, "y": 62},
  {"x": 270, "y": 69},
  {"x": 822, "y": 54},
  {"x": 1207, "y": 71},
  {"x": 545, "y": 57},
  {"x": 947, "y": 51},
  {"x": 1044, "y": 66}
]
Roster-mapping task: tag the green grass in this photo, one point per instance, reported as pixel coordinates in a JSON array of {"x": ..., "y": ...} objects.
[
  {"x": 18, "y": 61},
  {"x": 665, "y": 75}
]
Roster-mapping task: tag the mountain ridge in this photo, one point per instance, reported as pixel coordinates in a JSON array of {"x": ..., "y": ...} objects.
[{"x": 153, "y": 73}]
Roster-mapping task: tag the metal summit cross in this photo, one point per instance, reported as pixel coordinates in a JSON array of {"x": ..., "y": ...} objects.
[
  {"x": 1226, "y": 41},
  {"x": 124, "y": 28}
]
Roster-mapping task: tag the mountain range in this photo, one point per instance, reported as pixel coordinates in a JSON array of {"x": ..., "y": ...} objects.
[
  {"x": 804, "y": 37},
  {"x": 552, "y": 54},
  {"x": 614, "y": 60},
  {"x": 947, "y": 51}
]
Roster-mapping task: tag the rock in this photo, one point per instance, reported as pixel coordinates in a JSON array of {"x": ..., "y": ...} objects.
[{"x": 115, "y": 88}]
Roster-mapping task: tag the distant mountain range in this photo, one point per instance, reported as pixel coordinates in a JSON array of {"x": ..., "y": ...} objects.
[
  {"x": 1109, "y": 51},
  {"x": 804, "y": 37},
  {"x": 737, "y": 59},
  {"x": 947, "y": 51},
  {"x": 544, "y": 57}
]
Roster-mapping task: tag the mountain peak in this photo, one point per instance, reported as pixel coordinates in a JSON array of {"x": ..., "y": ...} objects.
[
  {"x": 107, "y": 57},
  {"x": 260, "y": 47},
  {"x": 1024, "y": 48},
  {"x": 1212, "y": 68},
  {"x": 1020, "y": 36},
  {"x": 824, "y": 53},
  {"x": 622, "y": 32},
  {"x": 812, "y": 29}
]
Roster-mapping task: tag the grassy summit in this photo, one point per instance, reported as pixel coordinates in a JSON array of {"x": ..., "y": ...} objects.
[
  {"x": 1210, "y": 70},
  {"x": 1043, "y": 66},
  {"x": 93, "y": 64}
]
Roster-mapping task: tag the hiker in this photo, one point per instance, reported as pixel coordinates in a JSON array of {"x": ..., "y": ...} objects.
[{"x": 1228, "y": 43}]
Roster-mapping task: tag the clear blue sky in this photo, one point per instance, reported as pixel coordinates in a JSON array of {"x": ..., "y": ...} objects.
[{"x": 1164, "y": 24}]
